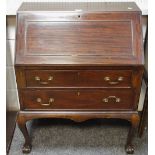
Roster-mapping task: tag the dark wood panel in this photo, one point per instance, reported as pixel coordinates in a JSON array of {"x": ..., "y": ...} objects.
[
  {"x": 73, "y": 38},
  {"x": 112, "y": 38},
  {"x": 78, "y": 99},
  {"x": 78, "y": 78}
]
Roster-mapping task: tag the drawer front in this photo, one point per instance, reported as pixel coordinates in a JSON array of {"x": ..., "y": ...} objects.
[
  {"x": 79, "y": 99},
  {"x": 48, "y": 78},
  {"x": 105, "y": 78},
  {"x": 78, "y": 78}
]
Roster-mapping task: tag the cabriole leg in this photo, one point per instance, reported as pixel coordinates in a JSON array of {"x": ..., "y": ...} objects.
[
  {"x": 134, "y": 124},
  {"x": 22, "y": 126}
]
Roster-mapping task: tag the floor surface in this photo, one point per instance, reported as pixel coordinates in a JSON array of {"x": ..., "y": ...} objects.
[{"x": 64, "y": 137}]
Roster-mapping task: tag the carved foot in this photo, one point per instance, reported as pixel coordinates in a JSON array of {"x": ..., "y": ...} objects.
[
  {"x": 129, "y": 149},
  {"x": 26, "y": 148}
]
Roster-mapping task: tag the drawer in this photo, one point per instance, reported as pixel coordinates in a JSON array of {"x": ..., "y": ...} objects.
[
  {"x": 78, "y": 99},
  {"x": 105, "y": 78},
  {"x": 78, "y": 78},
  {"x": 50, "y": 78}
]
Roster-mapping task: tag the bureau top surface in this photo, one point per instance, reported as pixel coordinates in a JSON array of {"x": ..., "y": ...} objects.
[{"x": 79, "y": 6}]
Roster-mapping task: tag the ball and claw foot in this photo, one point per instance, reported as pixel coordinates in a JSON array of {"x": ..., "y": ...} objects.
[
  {"x": 129, "y": 149},
  {"x": 26, "y": 148}
]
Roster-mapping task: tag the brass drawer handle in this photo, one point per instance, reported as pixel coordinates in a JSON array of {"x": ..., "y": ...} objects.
[
  {"x": 51, "y": 100},
  {"x": 119, "y": 79},
  {"x": 106, "y": 100},
  {"x": 37, "y": 78}
]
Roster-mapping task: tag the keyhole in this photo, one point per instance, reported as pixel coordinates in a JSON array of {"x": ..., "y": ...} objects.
[
  {"x": 79, "y": 16},
  {"x": 78, "y": 93}
]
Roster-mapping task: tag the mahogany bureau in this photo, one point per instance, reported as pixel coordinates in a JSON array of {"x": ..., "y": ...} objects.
[{"x": 79, "y": 61}]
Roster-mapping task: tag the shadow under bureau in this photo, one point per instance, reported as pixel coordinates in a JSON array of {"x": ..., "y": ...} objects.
[{"x": 79, "y": 61}]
